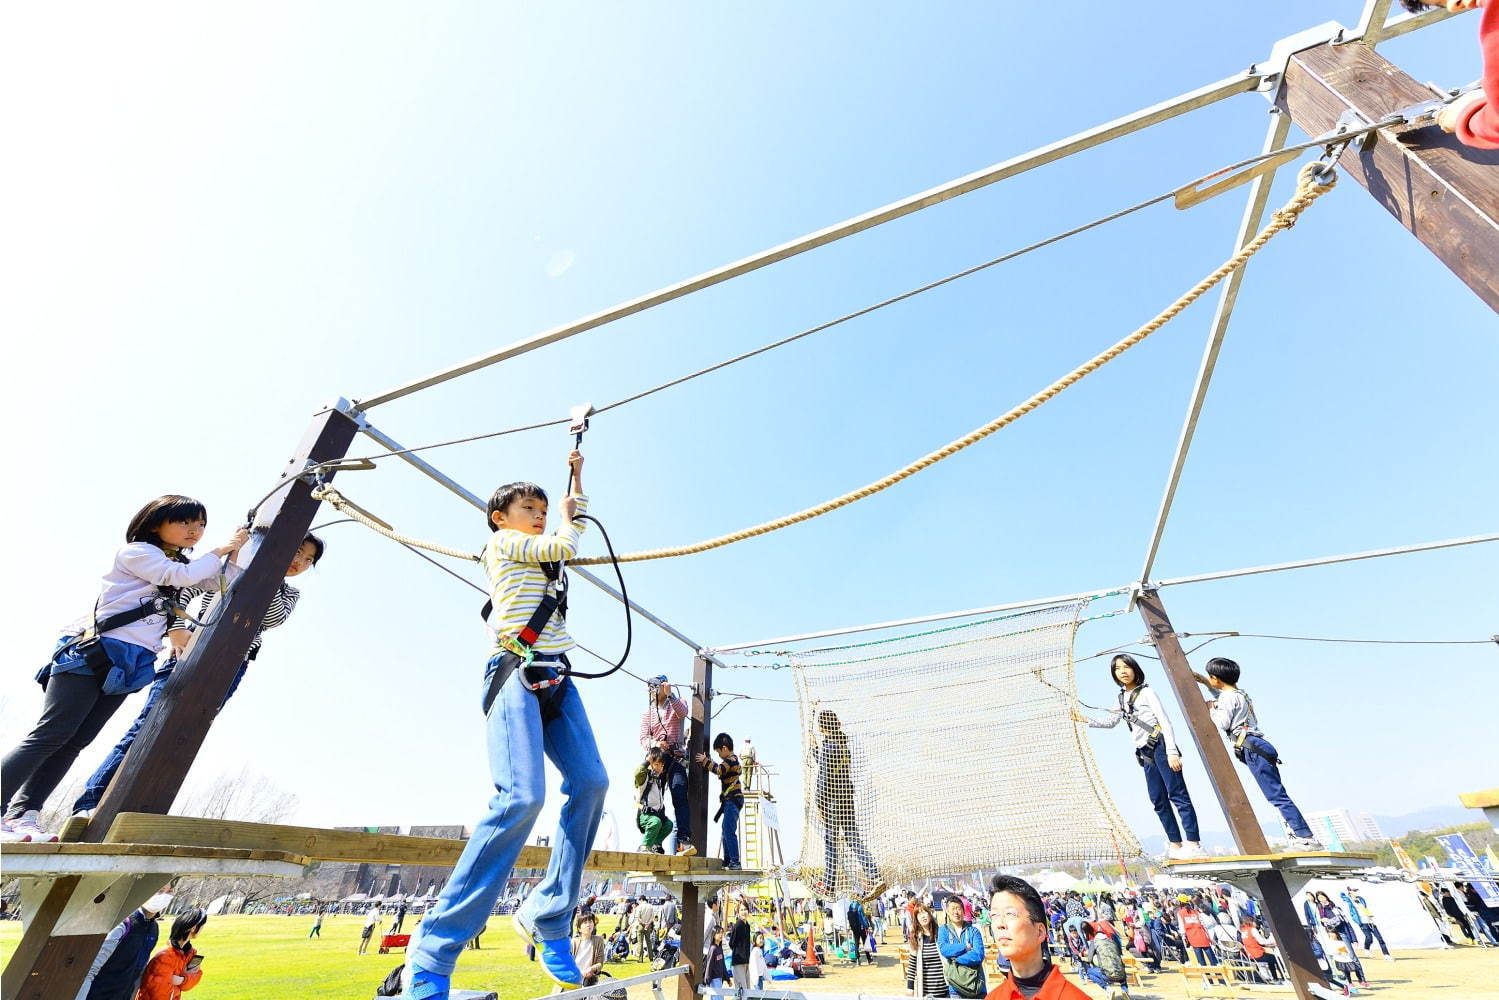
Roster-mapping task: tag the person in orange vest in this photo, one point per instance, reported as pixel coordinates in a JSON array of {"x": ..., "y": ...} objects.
[
  {"x": 1018, "y": 917},
  {"x": 176, "y": 968}
]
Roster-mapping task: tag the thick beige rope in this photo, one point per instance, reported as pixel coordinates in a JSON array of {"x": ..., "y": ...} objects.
[{"x": 1313, "y": 182}]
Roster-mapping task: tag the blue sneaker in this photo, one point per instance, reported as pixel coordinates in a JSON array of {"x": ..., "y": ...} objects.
[
  {"x": 557, "y": 961},
  {"x": 424, "y": 985}
]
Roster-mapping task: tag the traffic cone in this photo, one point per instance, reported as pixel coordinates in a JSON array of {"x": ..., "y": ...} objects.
[{"x": 811, "y": 958}]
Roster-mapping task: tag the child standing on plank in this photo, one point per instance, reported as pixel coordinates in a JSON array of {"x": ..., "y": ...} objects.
[
  {"x": 532, "y": 711},
  {"x": 110, "y": 653},
  {"x": 651, "y": 819},
  {"x": 730, "y": 795},
  {"x": 1233, "y": 712},
  {"x": 1157, "y": 753},
  {"x": 199, "y": 603}
]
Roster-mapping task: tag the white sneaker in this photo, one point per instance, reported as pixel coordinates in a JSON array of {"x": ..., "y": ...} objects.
[
  {"x": 1190, "y": 852},
  {"x": 30, "y": 825},
  {"x": 9, "y": 836},
  {"x": 1304, "y": 845}
]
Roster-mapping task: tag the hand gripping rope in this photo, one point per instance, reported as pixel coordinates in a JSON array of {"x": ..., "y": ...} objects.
[{"x": 1313, "y": 181}]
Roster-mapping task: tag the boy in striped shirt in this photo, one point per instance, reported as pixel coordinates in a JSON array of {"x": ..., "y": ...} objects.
[
  {"x": 730, "y": 796},
  {"x": 528, "y": 706}
]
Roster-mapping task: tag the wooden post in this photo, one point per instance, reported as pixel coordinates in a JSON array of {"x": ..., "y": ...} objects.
[
  {"x": 691, "y": 952},
  {"x": 1445, "y": 193},
  {"x": 47, "y": 967},
  {"x": 1280, "y": 911}
]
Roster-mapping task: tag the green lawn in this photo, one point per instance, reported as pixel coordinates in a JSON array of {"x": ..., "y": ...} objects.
[{"x": 252, "y": 958}]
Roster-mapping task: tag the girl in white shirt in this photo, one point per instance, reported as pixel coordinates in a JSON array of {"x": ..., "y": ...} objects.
[
  {"x": 1157, "y": 753},
  {"x": 110, "y": 653}
]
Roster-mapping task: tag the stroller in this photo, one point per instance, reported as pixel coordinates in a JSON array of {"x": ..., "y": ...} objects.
[
  {"x": 619, "y": 947},
  {"x": 666, "y": 951}
]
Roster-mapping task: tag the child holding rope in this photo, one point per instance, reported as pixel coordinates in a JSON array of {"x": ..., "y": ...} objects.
[
  {"x": 110, "y": 653},
  {"x": 532, "y": 711},
  {"x": 1233, "y": 712}
]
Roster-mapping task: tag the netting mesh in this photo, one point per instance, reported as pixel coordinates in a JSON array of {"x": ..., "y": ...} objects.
[{"x": 949, "y": 751}]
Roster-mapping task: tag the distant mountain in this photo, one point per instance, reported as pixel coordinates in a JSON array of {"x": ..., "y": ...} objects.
[{"x": 1426, "y": 819}]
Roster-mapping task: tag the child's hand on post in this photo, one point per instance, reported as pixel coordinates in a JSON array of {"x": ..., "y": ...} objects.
[
  {"x": 235, "y": 543},
  {"x": 701, "y": 758},
  {"x": 178, "y": 638}
]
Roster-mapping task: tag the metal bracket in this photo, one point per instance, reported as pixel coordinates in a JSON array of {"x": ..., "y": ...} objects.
[
  {"x": 351, "y": 411},
  {"x": 1272, "y": 72}
]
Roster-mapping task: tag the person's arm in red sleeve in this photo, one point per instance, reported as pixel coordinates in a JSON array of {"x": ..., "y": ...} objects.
[{"x": 1475, "y": 115}]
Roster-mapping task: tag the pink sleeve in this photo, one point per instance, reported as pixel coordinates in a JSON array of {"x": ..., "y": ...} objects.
[{"x": 1480, "y": 125}]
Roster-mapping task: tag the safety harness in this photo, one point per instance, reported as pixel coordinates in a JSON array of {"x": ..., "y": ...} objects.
[
  {"x": 1146, "y": 752},
  {"x": 520, "y": 648}
]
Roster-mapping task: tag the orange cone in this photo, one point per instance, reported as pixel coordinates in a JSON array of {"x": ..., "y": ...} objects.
[{"x": 811, "y": 958}]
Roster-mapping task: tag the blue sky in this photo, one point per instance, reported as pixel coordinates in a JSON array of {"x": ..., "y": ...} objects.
[{"x": 218, "y": 219}]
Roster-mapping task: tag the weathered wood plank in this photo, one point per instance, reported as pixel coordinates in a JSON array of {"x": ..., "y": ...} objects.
[
  {"x": 1446, "y": 194},
  {"x": 355, "y": 846}
]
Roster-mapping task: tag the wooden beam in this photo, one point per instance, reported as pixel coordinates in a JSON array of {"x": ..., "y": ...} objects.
[
  {"x": 693, "y": 904},
  {"x": 1285, "y": 923},
  {"x": 354, "y": 846},
  {"x": 1445, "y": 193}
]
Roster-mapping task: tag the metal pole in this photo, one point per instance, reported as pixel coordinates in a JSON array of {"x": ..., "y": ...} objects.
[
  {"x": 1285, "y": 923},
  {"x": 1201, "y": 97},
  {"x": 1371, "y": 22},
  {"x": 1328, "y": 560},
  {"x": 437, "y": 475},
  {"x": 1249, "y": 225}
]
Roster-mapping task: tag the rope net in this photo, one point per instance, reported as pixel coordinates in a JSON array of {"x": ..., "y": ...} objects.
[{"x": 948, "y": 751}]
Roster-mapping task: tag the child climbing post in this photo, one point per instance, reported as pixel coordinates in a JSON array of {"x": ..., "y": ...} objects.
[
  {"x": 730, "y": 796},
  {"x": 199, "y": 603},
  {"x": 532, "y": 711},
  {"x": 651, "y": 817},
  {"x": 109, "y": 653},
  {"x": 1233, "y": 712},
  {"x": 1157, "y": 753},
  {"x": 662, "y": 726}
]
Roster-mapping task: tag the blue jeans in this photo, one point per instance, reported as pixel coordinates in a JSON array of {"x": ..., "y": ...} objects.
[
  {"x": 1261, "y": 764},
  {"x": 731, "y": 832},
  {"x": 1167, "y": 788},
  {"x": 518, "y": 744},
  {"x": 676, "y": 779},
  {"x": 93, "y": 791},
  {"x": 1205, "y": 956}
]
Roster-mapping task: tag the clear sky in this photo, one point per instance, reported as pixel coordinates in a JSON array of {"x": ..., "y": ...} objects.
[{"x": 217, "y": 218}]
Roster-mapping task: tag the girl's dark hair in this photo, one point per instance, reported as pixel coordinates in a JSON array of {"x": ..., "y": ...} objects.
[
  {"x": 186, "y": 923},
  {"x": 1224, "y": 669},
  {"x": 655, "y": 754},
  {"x": 1128, "y": 661},
  {"x": 723, "y": 740},
  {"x": 318, "y": 545},
  {"x": 172, "y": 507},
  {"x": 1413, "y": 6},
  {"x": 508, "y": 494}
]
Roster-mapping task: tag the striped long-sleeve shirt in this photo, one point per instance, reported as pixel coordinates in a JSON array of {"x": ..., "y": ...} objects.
[
  {"x": 663, "y": 722},
  {"x": 200, "y": 603},
  {"x": 728, "y": 771},
  {"x": 513, "y": 559}
]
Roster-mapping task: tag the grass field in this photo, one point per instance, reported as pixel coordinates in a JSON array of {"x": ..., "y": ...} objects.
[{"x": 258, "y": 958}]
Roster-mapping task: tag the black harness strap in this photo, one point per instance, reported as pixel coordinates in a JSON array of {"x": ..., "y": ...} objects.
[{"x": 519, "y": 652}]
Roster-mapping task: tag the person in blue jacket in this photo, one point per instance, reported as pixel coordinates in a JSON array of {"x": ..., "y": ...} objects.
[
  {"x": 116, "y": 973},
  {"x": 962, "y": 948}
]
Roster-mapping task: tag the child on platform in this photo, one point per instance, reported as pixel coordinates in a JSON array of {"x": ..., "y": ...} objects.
[
  {"x": 1157, "y": 754},
  {"x": 532, "y": 711},
  {"x": 651, "y": 818},
  {"x": 730, "y": 795},
  {"x": 1233, "y": 712},
  {"x": 110, "y": 653}
]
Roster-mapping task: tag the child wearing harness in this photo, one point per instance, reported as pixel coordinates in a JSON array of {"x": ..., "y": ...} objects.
[
  {"x": 110, "y": 653},
  {"x": 1233, "y": 712},
  {"x": 199, "y": 603},
  {"x": 730, "y": 798},
  {"x": 1157, "y": 753},
  {"x": 651, "y": 797},
  {"x": 532, "y": 711}
]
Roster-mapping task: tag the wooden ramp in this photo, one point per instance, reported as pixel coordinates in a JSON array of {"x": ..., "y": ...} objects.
[
  {"x": 317, "y": 844},
  {"x": 1297, "y": 867}
]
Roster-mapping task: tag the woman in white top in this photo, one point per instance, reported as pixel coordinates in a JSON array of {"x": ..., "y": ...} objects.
[
  {"x": 1157, "y": 753},
  {"x": 111, "y": 652}
]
